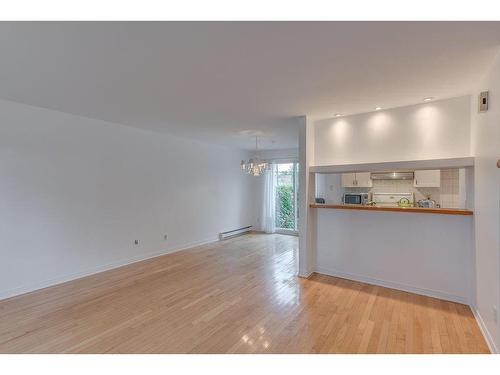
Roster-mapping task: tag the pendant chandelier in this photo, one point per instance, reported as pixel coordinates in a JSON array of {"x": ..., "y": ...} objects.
[{"x": 255, "y": 166}]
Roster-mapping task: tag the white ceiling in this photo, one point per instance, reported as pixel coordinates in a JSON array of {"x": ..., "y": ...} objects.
[{"x": 224, "y": 81}]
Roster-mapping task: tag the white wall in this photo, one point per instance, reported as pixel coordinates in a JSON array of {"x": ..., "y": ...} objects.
[
  {"x": 439, "y": 129},
  {"x": 486, "y": 149},
  {"x": 421, "y": 253},
  {"x": 75, "y": 193},
  {"x": 329, "y": 187},
  {"x": 278, "y": 155}
]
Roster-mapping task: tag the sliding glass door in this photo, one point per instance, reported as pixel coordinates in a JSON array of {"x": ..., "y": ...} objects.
[{"x": 287, "y": 178}]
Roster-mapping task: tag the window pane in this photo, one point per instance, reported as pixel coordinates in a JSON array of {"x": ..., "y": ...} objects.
[{"x": 285, "y": 196}]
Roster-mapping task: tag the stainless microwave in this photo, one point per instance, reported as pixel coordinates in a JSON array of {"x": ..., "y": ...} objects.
[{"x": 352, "y": 198}]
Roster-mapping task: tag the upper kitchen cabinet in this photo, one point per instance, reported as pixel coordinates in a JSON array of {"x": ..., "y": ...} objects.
[
  {"x": 363, "y": 179},
  {"x": 431, "y": 178},
  {"x": 348, "y": 179},
  {"x": 356, "y": 180}
]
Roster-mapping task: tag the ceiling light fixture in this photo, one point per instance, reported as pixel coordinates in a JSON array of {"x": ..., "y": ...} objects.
[
  {"x": 338, "y": 114},
  {"x": 255, "y": 166},
  {"x": 428, "y": 99},
  {"x": 378, "y": 108}
]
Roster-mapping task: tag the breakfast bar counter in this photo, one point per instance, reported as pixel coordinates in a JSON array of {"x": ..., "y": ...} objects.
[
  {"x": 442, "y": 211},
  {"x": 420, "y": 250}
]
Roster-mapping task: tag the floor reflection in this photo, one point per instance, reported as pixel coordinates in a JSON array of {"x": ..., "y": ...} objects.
[
  {"x": 284, "y": 267},
  {"x": 258, "y": 342}
]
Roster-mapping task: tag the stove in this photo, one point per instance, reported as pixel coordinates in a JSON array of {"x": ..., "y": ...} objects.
[{"x": 392, "y": 199}]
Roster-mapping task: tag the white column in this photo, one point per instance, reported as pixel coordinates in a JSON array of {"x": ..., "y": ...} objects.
[
  {"x": 307, "y": 222},
  {"x": 485, "y": 147}
]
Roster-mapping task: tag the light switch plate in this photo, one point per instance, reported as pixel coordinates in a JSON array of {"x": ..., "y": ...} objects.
[{"x": 483, "y": 101}]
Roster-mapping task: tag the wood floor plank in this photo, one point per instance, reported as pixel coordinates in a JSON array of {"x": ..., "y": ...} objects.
[{"x": 241, "y": 295}]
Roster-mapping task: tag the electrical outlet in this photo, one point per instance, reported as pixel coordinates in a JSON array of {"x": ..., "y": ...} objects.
[
  {"x": 136, "y": 242},
  {"x": 165, "y": 237}
]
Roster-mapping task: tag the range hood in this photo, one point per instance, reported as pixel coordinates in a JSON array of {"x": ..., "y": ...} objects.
[{"x": 392, "y": 176}]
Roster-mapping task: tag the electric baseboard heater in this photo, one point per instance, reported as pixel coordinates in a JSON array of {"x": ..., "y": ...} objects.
[{"x": 235, "y": 232}]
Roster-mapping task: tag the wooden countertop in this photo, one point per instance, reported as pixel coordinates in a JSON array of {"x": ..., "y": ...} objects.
[{"x": 442, "y": 211}]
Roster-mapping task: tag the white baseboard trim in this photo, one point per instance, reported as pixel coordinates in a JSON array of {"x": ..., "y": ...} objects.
[
  {"x": 484, "y": 330},
  {"x": 4, "y": 294},
  {"x": 305, "y": 275},
  {"x": 394, "y": 285}
]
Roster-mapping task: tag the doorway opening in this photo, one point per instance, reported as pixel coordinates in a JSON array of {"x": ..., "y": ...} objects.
[{"x": 286, "y": 199}]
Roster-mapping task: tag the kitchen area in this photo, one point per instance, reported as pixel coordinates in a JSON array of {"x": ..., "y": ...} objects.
[
  {"x": 391, "y": 199},
  {"x": 425, "y": 189},
  {"x": 406, "y": 198},
  {"x": 403, "y": 225}
]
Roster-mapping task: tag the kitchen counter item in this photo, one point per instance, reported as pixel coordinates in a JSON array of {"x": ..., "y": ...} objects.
[
  {"x": 427, "y": 203},
  {"x": 355, "y": 198},
  {"x": 404, "y": 202}
]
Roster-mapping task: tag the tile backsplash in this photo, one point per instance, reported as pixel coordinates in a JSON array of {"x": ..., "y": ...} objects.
[{"x": 447, "y": 195}]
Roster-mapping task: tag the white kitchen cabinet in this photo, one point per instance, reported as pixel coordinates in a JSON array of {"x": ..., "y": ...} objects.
[
  {"x": 348, "y": 179},
  {"x": 356, "y": 180},
  {"x": 363, "y": 179},
  {"x": 431, "y": 178}
]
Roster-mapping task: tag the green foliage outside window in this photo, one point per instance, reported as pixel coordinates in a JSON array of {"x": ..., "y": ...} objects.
[{"x": 285, "y": 212}]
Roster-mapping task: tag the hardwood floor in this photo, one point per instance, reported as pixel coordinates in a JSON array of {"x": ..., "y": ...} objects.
[{"x": 236, "y": 296}]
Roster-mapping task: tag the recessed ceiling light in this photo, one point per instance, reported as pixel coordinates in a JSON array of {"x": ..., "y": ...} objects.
[
  {"x": 338, "y": 114},
  {"x": 378, "y": 108},
  {"x": 428, "y": 99}
]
